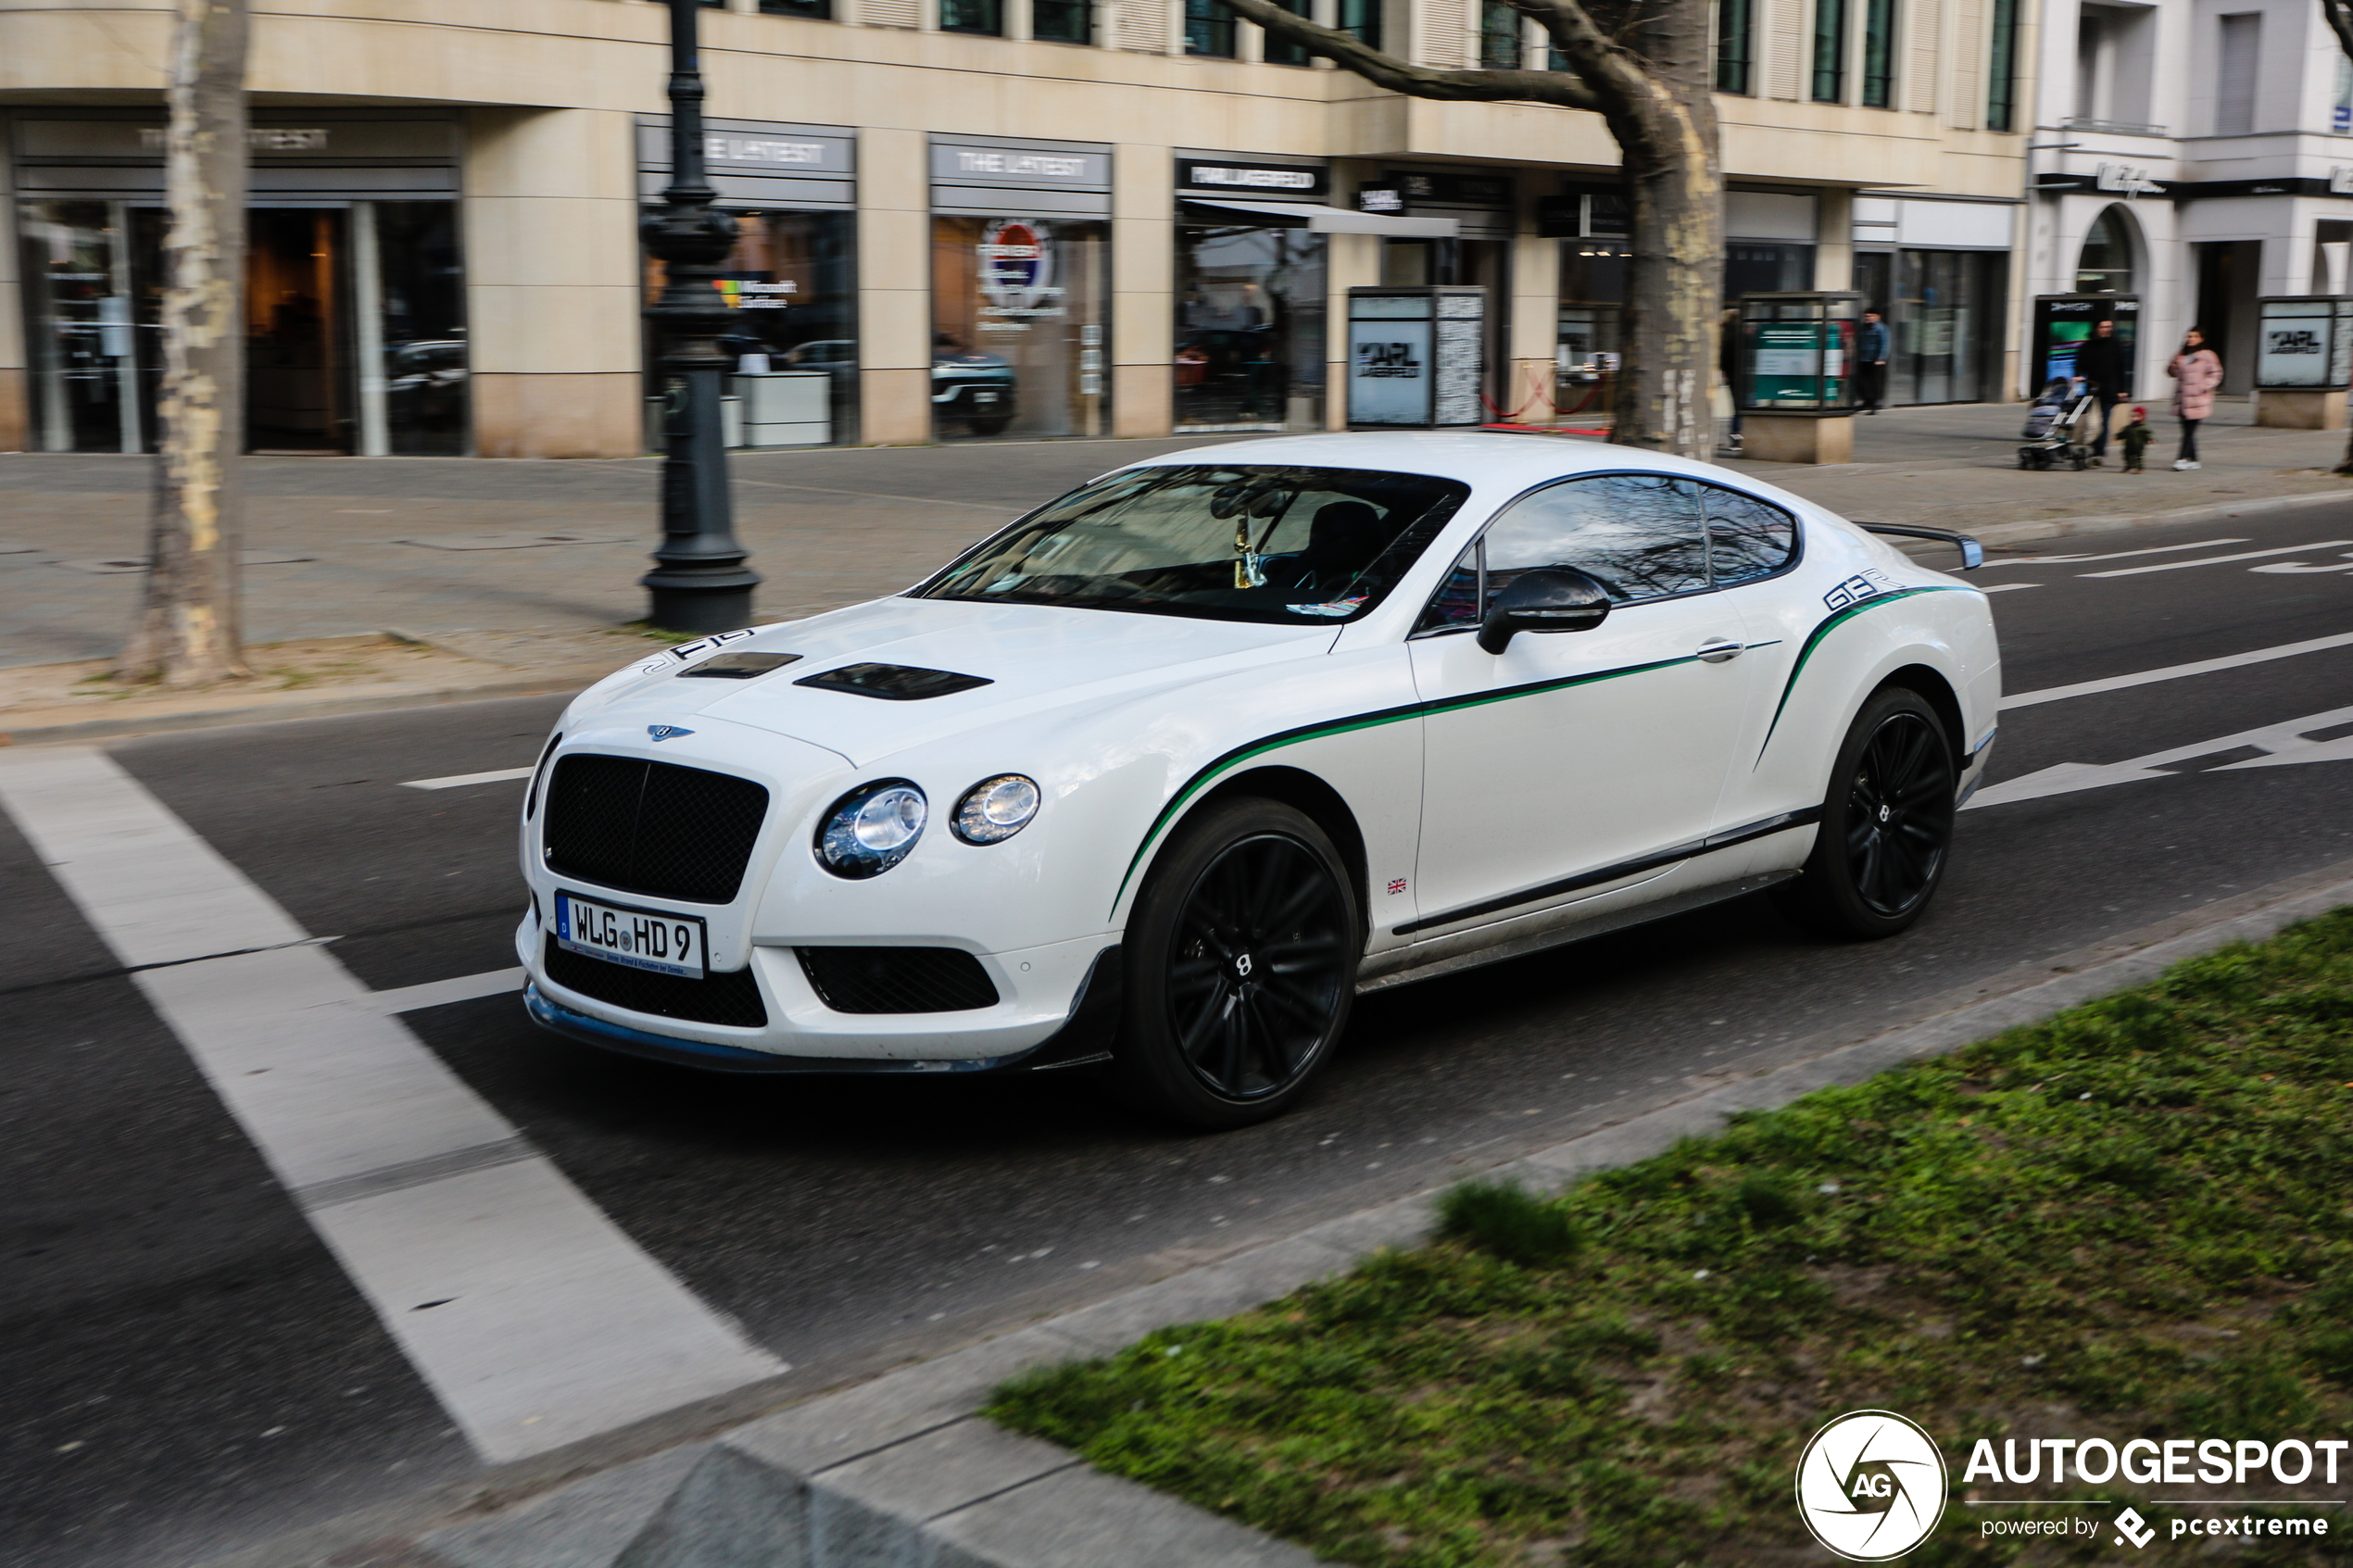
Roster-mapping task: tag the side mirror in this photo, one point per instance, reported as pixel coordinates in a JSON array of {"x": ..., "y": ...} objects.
[{"x": 1549, "y": 599}]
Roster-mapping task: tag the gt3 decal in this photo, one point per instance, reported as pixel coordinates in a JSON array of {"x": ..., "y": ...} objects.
[
  {"x": 1814, "y": 640},
  {"x": 1864, "y": 584}
]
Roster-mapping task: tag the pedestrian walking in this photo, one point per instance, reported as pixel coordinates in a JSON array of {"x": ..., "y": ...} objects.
[
  {"x": 1871, "y": 366},
  {"x": 1728, "y": 365},
  {"x": 2196, "y": 372},
  {"x": 2101, "y": 362},
  {"x": 2135, "y": 440}
]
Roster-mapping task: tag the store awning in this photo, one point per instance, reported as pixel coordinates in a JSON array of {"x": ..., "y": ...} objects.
[{"x": 1333, "y": 219}]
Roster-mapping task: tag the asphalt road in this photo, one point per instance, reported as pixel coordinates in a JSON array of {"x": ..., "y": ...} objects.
[{"x": 190, "y": 1372}]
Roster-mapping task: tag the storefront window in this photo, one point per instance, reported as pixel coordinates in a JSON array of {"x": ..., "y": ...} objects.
[
  {"x": 1019, "y": 326},
  {"x": 2105, "y": 265},
  {"x": 1593, "y": 306},
  {"x": 85, "y": 364},
  {"x": 1250, "y": 328},
  {"x": 792, "y": 283},
  {"x": 1942, "y": 308},
  {"x": 421, "y": 292},
  {"x": 1750, "y": 267},
  {"x": 328, "y": 291}
]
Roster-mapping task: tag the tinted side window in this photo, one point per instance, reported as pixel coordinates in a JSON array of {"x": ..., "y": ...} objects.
[
  {"x": 1638, "y": 534},
  {"x": 1456, "y": 601},
  {"x": 1746, "y": 537}
]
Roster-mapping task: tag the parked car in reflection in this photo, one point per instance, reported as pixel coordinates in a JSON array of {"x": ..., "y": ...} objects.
[
  {"x": 976, "y": 388},
  {"x": 426, "y": 382}
]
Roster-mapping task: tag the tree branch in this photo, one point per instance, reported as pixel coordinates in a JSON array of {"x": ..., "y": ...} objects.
[
  {"x": 1609, "y": 72},
  {"x": 1561, "y": 89},
  {"x": 2340, "y": 15}
]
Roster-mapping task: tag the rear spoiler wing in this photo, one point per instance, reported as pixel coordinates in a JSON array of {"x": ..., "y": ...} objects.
[{"x": 1972, "y": 553}]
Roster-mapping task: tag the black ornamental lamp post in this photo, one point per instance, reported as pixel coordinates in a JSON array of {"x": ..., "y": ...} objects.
[{"x": 700, "y": 582}]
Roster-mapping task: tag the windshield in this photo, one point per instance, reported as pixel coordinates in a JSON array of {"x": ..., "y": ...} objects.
[{"x": 1226, "y": 542}]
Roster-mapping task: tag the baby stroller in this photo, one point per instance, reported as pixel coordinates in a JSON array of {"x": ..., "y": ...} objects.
[{"x": 2060, "y": 425}]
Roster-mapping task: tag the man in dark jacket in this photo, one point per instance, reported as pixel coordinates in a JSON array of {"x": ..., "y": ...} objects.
[
  {"x": 1871, "y": 368},
  {"x": 2100, "y": 361}
]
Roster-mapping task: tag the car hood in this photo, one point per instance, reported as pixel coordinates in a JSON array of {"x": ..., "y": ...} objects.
[{"x": 1035, "y": 658}]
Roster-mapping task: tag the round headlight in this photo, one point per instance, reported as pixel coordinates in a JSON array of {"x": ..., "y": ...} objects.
[
  {"x": 871, "y": 828},
  {"x": 995, "y": 809}
]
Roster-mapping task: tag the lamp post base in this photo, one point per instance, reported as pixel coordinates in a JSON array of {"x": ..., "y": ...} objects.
[{"x": 700, "y": 607}]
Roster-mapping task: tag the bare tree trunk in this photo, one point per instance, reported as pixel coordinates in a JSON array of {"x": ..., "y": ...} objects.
[
  {"x": 190, "y": 624},
  {"x": 1643, "y": 65}
]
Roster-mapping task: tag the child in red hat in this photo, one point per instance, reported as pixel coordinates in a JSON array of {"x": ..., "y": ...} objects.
[{"x": 2136, "y": 439}]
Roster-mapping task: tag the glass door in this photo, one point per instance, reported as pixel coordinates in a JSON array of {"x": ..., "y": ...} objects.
[{"x": 299, "y": 396}]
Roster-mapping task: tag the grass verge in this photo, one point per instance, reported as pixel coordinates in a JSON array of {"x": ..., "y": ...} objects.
[{"x": 2134, "y": 1219}]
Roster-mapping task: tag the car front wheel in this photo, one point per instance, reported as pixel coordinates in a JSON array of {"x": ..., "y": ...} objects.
[
  {"x": 1887, "y": 823},
  {"x": 1241, "y": 963}
]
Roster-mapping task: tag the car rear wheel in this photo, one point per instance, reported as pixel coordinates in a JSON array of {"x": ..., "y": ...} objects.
[
  {"x": 1241, "y": 963},
  {"x": 1887, "y": 824}
]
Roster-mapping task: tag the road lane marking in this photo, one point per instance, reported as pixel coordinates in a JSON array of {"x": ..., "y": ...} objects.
[
  {"x": 441, "y": 993},
  {"x": 2007, "y": 587},
  {"x": 2297, "y": 566},
  {"x": 2117, "y": 555},
  {"x": 2280, "y": 745},
  {"x": 2215, "y": 560},
  {"x": 2177, "y": 671},
  {"x": 459, "y": 781},
  {"x": 534, "y": 1319}
]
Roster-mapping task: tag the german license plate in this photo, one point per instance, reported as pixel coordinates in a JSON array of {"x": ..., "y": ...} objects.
[{"x": 654, "y": 940}]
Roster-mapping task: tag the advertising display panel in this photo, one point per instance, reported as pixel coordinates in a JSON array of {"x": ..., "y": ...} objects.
[
  {"x": 1797, "y": 352},
  {"x": 1415, "y": 356},
  {"x": 2304, "y": 343},
  {"x": 2061, "y": 321}
]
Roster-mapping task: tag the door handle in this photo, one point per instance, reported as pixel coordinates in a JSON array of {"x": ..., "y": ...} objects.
[{"x": 1715, "y": 650}]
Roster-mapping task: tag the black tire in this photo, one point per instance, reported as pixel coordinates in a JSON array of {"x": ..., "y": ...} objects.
[
  {"x": 1887, "y": 825},
  {"x": 1241, "y": 966}
]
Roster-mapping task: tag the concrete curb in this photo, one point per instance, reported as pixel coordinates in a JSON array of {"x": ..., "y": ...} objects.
[
  {"x": 328, "y": 702},
  {"x": 900, "y": 1473}
]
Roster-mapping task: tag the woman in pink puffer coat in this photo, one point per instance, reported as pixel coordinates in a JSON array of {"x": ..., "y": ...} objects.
[{"x": 2197, "y": 373}]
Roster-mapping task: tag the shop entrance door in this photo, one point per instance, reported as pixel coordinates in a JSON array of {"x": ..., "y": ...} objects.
[{"x": 299, "y": 362}]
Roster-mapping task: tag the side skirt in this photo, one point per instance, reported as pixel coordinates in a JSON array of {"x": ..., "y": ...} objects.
[{"x": 1599, "y": 925}]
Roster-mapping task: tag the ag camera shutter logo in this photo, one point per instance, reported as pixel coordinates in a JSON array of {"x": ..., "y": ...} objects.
[{"x": 1871, "y": 1486}]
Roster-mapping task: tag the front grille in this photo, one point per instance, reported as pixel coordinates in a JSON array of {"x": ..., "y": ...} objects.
[
  {"x": 723, "y": 998},
  {"x": 897, "y": 979},
  {"x": 652, "y": 827}
]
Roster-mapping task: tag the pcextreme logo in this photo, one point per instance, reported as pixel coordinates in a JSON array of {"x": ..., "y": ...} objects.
[{"x": 1871, "y": 1486}]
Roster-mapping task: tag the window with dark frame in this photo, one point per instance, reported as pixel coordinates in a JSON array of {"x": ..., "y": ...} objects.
[
  {"x": 1209, "y": 29},
  {"x": 1499, "y": 36},
  {"x": 2001, "y": 85},
  {"x": 1879, "y": 54},
  {"x": 812, "y": 10},
  {"x": 1361, "y": 21},
  {"x": 1063, "y": 21},
  {"x": 1281, "y": 51},
  {"x": 1735, "y": 45},
  {"x": 983, "y": 17},
  {"x": 1830, "y": 52}
]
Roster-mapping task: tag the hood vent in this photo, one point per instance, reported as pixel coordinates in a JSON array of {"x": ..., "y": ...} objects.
[{"x": 892, "y": 682}]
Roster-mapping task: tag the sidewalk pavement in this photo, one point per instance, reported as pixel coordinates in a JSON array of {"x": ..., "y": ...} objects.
[{"x": 513, "y": 571}]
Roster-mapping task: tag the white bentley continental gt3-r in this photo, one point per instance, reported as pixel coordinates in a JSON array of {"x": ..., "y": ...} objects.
[{"x": 1163, "y": 775}]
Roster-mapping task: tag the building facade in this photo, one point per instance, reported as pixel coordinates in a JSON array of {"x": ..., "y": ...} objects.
[
  {"x": 960, "y": 220},
  {"x": 2191, "y": 156}
]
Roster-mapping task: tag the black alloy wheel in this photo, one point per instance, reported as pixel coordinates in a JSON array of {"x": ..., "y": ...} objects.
[
  {"x": 1887, "y": 826},
  {"x": 1241, "y": 966}
]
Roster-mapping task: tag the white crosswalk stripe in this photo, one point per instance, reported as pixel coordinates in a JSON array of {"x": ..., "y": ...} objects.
[{"x": 532, "y": 1317}]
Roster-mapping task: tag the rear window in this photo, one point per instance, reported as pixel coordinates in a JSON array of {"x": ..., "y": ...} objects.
[{"x": 1263, "y": 543}]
